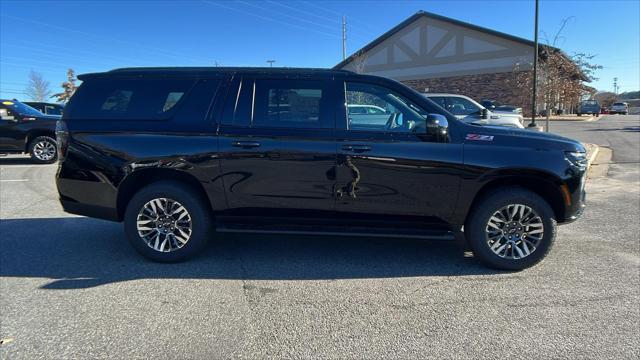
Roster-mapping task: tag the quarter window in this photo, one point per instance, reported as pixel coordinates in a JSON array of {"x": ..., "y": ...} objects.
[{"x": 128, "y": 99}]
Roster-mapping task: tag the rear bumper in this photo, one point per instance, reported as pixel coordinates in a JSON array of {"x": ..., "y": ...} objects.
[{"x": 99, "y": 212}]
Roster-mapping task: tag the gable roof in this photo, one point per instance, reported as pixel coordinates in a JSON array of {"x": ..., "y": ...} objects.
[{"x": 426, "y": 14}]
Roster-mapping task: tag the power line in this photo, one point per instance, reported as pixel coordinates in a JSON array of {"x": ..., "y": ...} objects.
[
  {"x": 269, "y": 19},
  {"x": 158, "y": 51},
  {"x": 363, "y": 35},
  {"x": 337, "y": 13}
]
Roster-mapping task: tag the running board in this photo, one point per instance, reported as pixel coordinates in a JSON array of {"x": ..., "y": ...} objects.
[{"x": 446, "y": 236}]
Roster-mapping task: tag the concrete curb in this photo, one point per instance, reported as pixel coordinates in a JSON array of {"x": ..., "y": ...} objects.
[{"x": 595, "y": 149}]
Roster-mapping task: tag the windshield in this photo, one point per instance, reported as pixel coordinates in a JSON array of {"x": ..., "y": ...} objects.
[
  {"x": 21, "y": 108},
  {"x": 590, "y": 102},
  {"x": 618, "y": 104}
]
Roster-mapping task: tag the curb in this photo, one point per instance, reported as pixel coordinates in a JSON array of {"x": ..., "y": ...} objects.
[{"x": 592, "y": 157}]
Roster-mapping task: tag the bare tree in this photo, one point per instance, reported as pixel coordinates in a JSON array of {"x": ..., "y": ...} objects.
[
  {"x": 68, "y": 87},
  {"x": 37, "y": 87},
  {"x": 359, "y": 61}
]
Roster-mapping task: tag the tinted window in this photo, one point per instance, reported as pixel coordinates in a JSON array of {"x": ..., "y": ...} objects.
[
  {"x": 461, "y": 106},
  {"x": 390, "y": 111},
  {"x": 52, "y": 110},
  {"x": 288, "y": 104},
  {"x": 124, "y": 99},
  {"x": 442, "y": 101}
]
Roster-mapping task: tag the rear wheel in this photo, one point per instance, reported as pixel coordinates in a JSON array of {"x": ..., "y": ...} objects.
[
  {"x": 168, "y": 222},
  {"x": 43, "y": 150},
  {"x": 511, "y": 229}
]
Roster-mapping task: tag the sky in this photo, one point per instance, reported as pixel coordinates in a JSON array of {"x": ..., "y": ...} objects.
[{"x": 51, "y": 36}]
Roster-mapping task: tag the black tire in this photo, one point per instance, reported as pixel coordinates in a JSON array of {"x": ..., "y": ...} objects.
[
  {"x": 197, "y": 208},
  {"x": 579, "y": 114},
  {"x": 38, "y": 153},
  {"x": 492, "y": 202}
]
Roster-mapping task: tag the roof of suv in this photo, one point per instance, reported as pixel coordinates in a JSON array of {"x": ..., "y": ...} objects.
[{"x": 208, "y": 71}]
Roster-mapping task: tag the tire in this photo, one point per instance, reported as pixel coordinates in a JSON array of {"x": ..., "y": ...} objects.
[
  {"x": 43, "y": 150},
  {"x": 478, "y": 223},
  {"x": 198, "y": 215},
  {"x": 579, "y": 114}
]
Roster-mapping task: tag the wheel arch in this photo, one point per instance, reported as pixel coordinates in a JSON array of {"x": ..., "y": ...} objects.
[
  {"x": 141, "y": 178},
  {"x": 34, "y": 134},
  {"x": 547, "y": 186}
]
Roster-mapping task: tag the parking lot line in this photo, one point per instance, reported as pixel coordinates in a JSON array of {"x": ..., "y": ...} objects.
[{"x": 14, "y": 180}]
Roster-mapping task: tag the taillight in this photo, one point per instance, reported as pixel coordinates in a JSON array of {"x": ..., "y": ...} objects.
[{"x": 62, "y": 138}]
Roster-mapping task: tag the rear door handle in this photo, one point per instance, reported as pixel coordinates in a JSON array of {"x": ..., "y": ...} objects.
[
  {"x": 356, "y": 148},
  {"x": 246, "y": 144}
]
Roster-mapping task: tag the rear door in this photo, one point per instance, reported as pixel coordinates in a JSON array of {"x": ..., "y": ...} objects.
[{"x": 277, "y": 146}]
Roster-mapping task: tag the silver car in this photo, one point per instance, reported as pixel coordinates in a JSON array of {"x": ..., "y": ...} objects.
[
  {"x": 619, "y": 108},
  {"x": 469, "y": 110}
]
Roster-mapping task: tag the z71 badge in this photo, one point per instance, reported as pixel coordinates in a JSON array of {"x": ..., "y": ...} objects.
[{"x": 478, "y": 137}]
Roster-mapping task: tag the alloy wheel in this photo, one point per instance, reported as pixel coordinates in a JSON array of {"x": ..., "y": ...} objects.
[
  {"x": 44, "y": 150},
  {"x": 164, "y": 225},
  {"x": 514, "y": 231}
]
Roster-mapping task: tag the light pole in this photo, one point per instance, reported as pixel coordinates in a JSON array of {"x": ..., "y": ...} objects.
[
  {"x": 535, "y": 73},
  {"x": 271, "y": 62}
]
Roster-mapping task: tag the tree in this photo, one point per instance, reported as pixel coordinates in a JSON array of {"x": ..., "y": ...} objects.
[
  {"x": 68, "y": 87},
  {"x": 37, "y": 87},
  {"x": 606, "y": 98}
]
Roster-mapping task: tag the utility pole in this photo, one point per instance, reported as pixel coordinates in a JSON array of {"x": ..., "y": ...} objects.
[
  {"x": 535, "y": 73},
  {"x": 271, "y": 62},
  {"x": 344, "y": 37},
  {"x": 615, "y": 85}
]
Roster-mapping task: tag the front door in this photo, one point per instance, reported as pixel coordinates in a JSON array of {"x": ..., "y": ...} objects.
[
  {"x": 389, "y": 166},
  {"x": 277, "y": 147}
]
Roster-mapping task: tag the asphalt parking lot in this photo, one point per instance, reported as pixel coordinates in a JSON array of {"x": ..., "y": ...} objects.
[{"x": 71, "y": 287}]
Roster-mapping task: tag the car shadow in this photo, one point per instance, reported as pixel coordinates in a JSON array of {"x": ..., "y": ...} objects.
[
  {"x": 78, "y": 252},
  {"x": 625, "y": 129}
]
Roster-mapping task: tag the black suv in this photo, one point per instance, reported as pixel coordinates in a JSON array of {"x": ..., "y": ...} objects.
[
  {"x": 178, "y": 152},
  {"x": 24, "y": 129}
]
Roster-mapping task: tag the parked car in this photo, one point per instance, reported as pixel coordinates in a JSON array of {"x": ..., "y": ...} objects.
[
  {"x": 619, "y": 108},
  {"x": 589, "y": 107},
  {"x": 24, "y": 129},
  {"x": 178, "y": 152},
  {"x": 46, "y": 108},
  {"x": 468, "y": 110},
  {"x": 496, "y": 107}
]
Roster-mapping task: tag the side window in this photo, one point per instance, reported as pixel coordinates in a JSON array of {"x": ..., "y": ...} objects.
[
  {"x": 386, "y": 110},
  {"x": 289, "y": 104},
  {"x": 440, "y": 100},
  {"x": 461, "y": 106},
  {"x": 128, "y": 99}
]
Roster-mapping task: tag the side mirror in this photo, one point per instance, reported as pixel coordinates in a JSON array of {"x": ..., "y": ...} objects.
[
  {"x": 438, "y": 127},
  {"x": 484, "y": 114}
]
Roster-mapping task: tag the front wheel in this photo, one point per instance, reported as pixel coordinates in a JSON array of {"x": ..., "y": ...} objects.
[
  {"x": 43, "y": 150},
  {"x": 511, "y": 229},
  {"x": 168, "y": 222}
]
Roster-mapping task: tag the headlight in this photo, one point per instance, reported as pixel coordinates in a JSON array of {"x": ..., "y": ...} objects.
[{"x": 578, "y": 159}]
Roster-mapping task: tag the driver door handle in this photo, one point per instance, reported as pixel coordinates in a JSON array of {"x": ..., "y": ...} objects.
[{"x": 357, "y": 148}]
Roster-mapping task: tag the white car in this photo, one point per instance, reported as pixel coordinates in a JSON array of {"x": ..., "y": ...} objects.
[
  {"x": 619, "y": 108},
  {"x": 469, "y": 110}
]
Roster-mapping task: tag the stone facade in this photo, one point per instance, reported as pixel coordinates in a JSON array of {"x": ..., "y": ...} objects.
[{"x": 496, "y": 86}]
